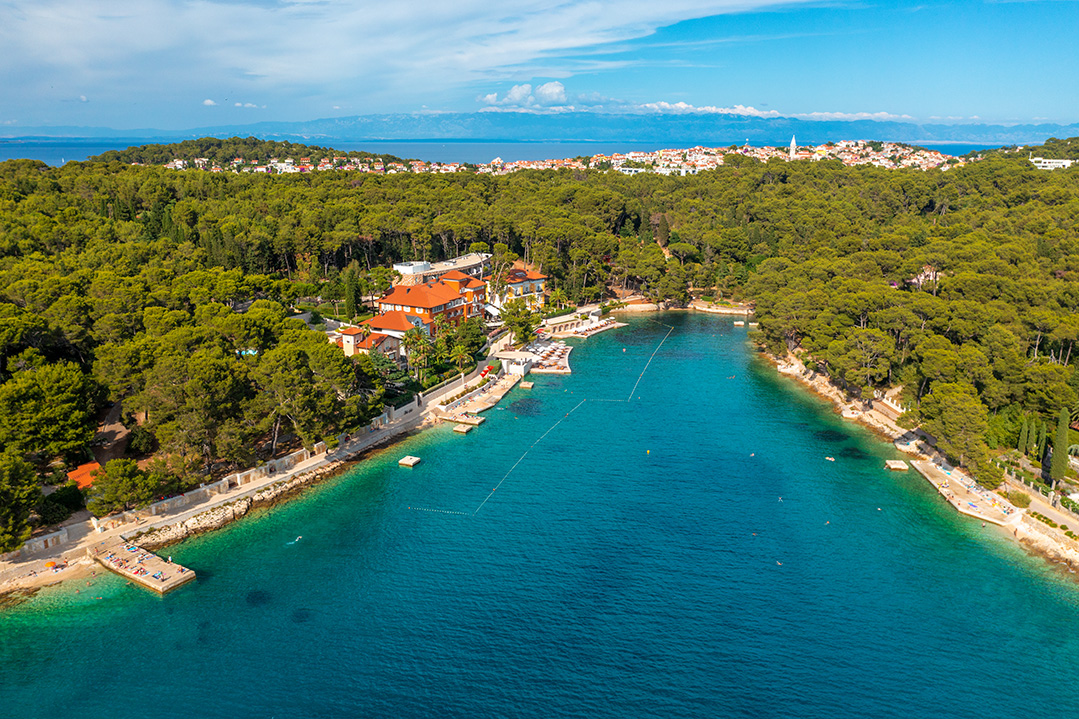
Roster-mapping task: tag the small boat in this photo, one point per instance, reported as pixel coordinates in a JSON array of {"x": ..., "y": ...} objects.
[{"x": 830, "y": 459}]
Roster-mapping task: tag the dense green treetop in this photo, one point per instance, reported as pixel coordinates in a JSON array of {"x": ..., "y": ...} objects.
[
  {"x": 169, "y": 289},
  {"x": 225, "y": 150}
]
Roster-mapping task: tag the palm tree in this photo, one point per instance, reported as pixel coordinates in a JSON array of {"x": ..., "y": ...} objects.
[
  {"x": 558, "y": 298},
  {"x": 460, "y": 357},
  {"x": 414, "y": 341}
]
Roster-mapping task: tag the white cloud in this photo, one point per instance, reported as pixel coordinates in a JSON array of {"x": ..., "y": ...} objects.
[
  {"x": 517, "y": 100},
  {"x": 878, "y": 116},
  {"x": 246, "y": 104},
  {"x": 550, "y": 96},
  {"x": 82, "y": 98},
  {"x": 208, "y": 103},
  {"x": 551, "y": 93},
  {"x": 368, "y": 51},
  {"x": 682, "y": 108}
]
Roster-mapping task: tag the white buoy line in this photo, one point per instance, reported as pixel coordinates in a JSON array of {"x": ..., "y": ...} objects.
[
  {"x": 549, "y": 430},
  {"x": 649, "y": 362},
  {"x": 552, "y": 427}
]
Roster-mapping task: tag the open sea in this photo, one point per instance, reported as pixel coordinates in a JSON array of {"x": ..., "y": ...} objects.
[
  {"x": 60, "y": 151},
  {"x": 666, "y": 539}
]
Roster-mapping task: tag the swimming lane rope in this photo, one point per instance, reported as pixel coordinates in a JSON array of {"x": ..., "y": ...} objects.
[
  {"x": 641, "y": 375},
  {"x": 521, "y": 459}
]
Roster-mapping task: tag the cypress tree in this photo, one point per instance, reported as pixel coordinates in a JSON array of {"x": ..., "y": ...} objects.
[
  {"x": 1041, "y": 442},
  {"x": 352, "y": 291},
  {"x": 1059, "y": 467},
  {"x": 663, "y": 231},
  {"x": 1023, "y": 438}
]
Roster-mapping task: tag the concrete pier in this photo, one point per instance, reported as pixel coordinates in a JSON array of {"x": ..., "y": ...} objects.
[{"x": 139, "y": 566}]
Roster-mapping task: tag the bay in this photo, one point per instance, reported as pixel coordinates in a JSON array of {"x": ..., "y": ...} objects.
[{"x": 666, "y": 539}]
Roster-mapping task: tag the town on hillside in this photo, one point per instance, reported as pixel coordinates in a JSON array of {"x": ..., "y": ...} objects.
[
  {"x": 678, "y": 162},
  {"x": 684, "y": 161}
]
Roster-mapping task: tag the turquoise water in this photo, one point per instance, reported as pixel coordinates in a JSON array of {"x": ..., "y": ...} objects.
[{"x": 627, "y": 566}]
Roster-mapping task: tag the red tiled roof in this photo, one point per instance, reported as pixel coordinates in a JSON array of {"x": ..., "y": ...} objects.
[
  {"x": 351, "y": 331},
  {"x": 427, "y": 295},
  {"x": 455, "y": 275},
  {"x": 396, "y": 320},
  {"x": 372, "y": 340},
  {"x": 84, "y": 474}
]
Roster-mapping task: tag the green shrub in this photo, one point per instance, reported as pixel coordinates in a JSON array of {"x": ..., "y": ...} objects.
[
  {"x": 70, "y": 496},
  {"x": 1019, "y": 499},
  {"x": 141, "y": 441},
  {"x": 52, "y": 511}
]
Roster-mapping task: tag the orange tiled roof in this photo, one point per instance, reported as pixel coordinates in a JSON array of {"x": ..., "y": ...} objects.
[
  {"x": 84, "y": 474},
  {"x": 428, "y": 295},
  {"x": 372, "y": 340},
  {"x": 395, "y": 320}
]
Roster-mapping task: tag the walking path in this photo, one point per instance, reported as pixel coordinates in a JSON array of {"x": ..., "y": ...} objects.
[{"x": 966, "y": 496}]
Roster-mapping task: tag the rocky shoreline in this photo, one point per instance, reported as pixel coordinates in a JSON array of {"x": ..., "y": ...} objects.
[
  {"x": 224, "y": 514},
  {"x": 1035, "y": 537}
]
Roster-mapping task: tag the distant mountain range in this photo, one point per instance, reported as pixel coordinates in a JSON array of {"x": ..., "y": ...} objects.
[{"x": 584, "y": 127}]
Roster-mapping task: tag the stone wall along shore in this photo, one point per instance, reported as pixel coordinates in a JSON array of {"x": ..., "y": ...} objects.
[{"x": 221, "y": 515}]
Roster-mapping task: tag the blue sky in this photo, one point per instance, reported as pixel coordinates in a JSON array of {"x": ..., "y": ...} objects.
[{"x": 174, "y": 64}]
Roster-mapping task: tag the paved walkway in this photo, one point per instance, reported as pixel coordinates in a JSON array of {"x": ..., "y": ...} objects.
[
  {"x": 966, "y": 496},
  {"x": 81, "y": 535},
  {"x": 30, "y": 568}
]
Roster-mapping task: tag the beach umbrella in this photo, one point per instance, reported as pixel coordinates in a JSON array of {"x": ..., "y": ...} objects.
[{"x": 50, "y": 565}]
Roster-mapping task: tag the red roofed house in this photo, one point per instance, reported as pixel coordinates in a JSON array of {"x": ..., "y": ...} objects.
[
  {"x": 357, "y": 340},
  {"x": 83, "y": 475},
  {"x": 455, "y": 295}
]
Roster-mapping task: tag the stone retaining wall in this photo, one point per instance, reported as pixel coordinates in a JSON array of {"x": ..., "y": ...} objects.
[{"x": 221, "y": 515}]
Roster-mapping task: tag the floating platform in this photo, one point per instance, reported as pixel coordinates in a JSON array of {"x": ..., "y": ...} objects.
[
  {"x": 896, "y": 465},
  {"x": 464, "y": 428},
  {"x": 739, "y": 323},
  {"x": 527, "y": 385},
  {"x": 408, "y": 461},
  {"x": 139, "y": 566}
]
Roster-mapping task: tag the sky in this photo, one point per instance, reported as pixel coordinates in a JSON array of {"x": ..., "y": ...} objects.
[{"x": 178, "y": 64}]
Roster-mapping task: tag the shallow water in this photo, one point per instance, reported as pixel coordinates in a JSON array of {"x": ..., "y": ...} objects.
[{"x": 636, "y": 560}]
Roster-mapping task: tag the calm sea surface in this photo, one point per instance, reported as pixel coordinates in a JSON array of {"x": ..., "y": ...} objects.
[
  {"x": 57, "y": 152},
  {"x": 688, "y": 553}
]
